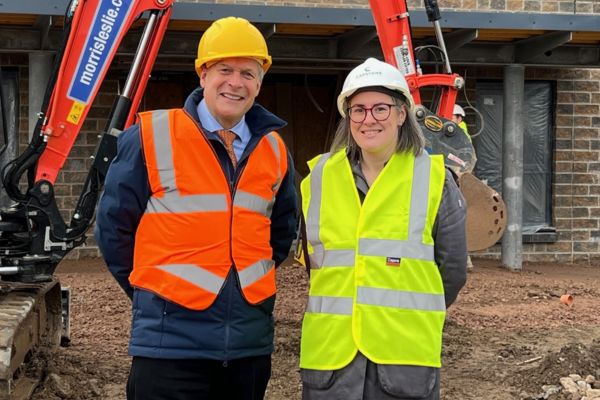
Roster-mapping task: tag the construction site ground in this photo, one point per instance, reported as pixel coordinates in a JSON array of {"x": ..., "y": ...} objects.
[{"x": 501, "y": 321}]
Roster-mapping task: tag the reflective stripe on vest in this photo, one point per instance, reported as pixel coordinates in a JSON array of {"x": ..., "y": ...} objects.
[
  {"x": 400, "y": 299},
  {"x": 172, "y": 201},
  {"x": 333, "y": 314},
  {"x": 330, "y": 305},
  {"x": 322, "y": 258},
  {"x": 255, "y": 272},
  {"x": 198, "y": 276},
  {"x": 413, "y": 247},
  {"x": 376, "y": 297},
  {"x": 213, "y": 283},
  {"x": 256, "y": 203},
  {"x": 199, "y": 259}
]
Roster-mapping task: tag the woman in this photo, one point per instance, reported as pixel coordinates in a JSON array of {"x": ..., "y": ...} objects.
[{"x": 385, "y": 234}]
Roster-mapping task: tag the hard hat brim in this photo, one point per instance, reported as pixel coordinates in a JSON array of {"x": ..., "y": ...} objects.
[
  {"x": 265, "y": 61},
  {"x": 405, "y": 95}
]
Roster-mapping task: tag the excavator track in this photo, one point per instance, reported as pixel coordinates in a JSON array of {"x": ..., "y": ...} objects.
[{"x": 30, "y": 319}]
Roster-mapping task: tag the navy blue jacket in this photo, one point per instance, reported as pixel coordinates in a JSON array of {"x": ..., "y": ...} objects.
[{"x": 230, "y": 328}]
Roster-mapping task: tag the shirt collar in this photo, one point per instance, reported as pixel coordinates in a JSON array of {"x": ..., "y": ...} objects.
[{"x": 209, "y": 122}]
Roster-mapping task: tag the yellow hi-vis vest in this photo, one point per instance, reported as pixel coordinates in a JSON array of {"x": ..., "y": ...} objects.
[
  {"x": 374, "y": 283},
  {"x": 463, "y": 125}
]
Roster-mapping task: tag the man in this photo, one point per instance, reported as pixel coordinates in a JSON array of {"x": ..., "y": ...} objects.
[
  {"x": 198, "y": 210},
  {"x": 458, "y": 117}
]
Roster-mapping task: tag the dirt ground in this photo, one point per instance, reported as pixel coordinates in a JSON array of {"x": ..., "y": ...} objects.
[{"x": 500, "y": 319}]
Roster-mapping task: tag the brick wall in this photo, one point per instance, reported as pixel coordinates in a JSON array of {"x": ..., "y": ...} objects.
[
  {"x": 576, "y": 164},
  {"x": 532, "y": 6}
]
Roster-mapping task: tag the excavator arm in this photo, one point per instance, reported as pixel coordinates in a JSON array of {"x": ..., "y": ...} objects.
[
  {"x": 34, "y": 237},
  {"x": 443, "y": 136},
  {"x": 486, "y": 213}
]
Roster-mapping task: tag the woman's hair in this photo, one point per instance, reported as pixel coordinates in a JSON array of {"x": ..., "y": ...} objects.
[{"x": 410, "y": 134}]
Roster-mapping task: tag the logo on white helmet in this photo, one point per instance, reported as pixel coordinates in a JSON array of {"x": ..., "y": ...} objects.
[{"x": 367, "y": 72}]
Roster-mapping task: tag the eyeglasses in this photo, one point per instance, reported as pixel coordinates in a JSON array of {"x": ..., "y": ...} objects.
[{"x": 380, "y": 112}]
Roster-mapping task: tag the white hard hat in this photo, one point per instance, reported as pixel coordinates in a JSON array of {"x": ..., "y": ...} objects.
[
  {"x": 458, "y": 110},
  {"x": 374, "y": 73}
]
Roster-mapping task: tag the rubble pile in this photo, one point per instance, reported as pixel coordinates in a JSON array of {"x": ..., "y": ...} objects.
[{"x": 572, "y": 387}]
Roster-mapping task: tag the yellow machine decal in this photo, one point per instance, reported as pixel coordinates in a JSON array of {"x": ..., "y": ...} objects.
[
  {"x": 75, "y": 113},
  {"x": 433, "y": 123}
]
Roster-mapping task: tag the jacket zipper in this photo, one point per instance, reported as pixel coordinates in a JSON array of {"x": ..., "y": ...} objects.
[{"x": 237, "y": 172}]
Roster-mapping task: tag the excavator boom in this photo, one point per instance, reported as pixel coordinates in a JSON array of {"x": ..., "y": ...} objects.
[{"x": 33, "y": 235}]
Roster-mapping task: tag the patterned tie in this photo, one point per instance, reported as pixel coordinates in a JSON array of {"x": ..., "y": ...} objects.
[{"x": 228, "y": 137}]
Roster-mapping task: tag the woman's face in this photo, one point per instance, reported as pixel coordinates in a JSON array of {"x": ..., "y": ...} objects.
[{"x": 378, "y": 132}]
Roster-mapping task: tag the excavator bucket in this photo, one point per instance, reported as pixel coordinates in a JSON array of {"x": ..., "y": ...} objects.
[{"x": 486, "y": 213}]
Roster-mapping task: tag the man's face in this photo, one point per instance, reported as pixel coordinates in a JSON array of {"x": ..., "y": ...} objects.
[
  {"x": 230, "y": 87},
  {"x": 457, "y": 119}
]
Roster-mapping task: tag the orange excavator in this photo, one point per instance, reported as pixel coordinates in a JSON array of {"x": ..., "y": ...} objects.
[{"x": 34, "y": 237}]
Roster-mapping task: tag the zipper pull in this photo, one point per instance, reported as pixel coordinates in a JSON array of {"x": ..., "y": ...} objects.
[{"x": 225, "y": 364}]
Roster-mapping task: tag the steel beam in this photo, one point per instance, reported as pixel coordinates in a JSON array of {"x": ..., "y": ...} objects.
[
  {"x": 456, "y": 39},
  {"x": 530, "y": 48},
  {"x": 352, "y": 40},
  {"x": 283, "y": 47},
  {"x": 503, "y": 54},
  {"x": 43, "y": 23},
  {"x": 338, "y": 16},
  {"x": 267, "y": 30},
  {"x": 40, "y": 69},
  {"x": 513, "y": 128}
]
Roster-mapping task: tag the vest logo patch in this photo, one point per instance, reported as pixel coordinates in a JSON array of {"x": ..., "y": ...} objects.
[{"x": 392, "y": 261}]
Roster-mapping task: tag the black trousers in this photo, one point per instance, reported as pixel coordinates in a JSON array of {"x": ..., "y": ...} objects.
[{"x": 163, "y": 379}]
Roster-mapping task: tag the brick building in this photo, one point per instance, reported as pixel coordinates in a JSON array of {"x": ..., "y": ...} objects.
[{"x": 315, "y": 43}]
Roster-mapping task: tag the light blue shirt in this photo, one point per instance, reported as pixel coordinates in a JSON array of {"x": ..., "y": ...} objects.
[{"x": 241, "y": 129}]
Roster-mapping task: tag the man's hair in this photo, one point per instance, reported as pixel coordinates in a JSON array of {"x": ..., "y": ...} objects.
[
  {"x": 261, "y": 72},
  {"x": 410, "y": 136}
]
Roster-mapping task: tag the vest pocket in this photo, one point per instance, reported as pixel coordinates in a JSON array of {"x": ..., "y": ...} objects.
[
  {"x": 406, "y": 381},
  {"x": 317, "y": 379}
]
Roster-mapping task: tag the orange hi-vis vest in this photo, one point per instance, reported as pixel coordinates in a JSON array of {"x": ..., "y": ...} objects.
[{"x": 196, "y": 226}]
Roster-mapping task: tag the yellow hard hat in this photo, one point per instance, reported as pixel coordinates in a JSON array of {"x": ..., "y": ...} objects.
[{"x": 232, "y": 37}]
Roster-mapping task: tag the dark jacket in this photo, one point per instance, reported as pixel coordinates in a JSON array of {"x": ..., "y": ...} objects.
[{"x": 230, "y": 328}]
